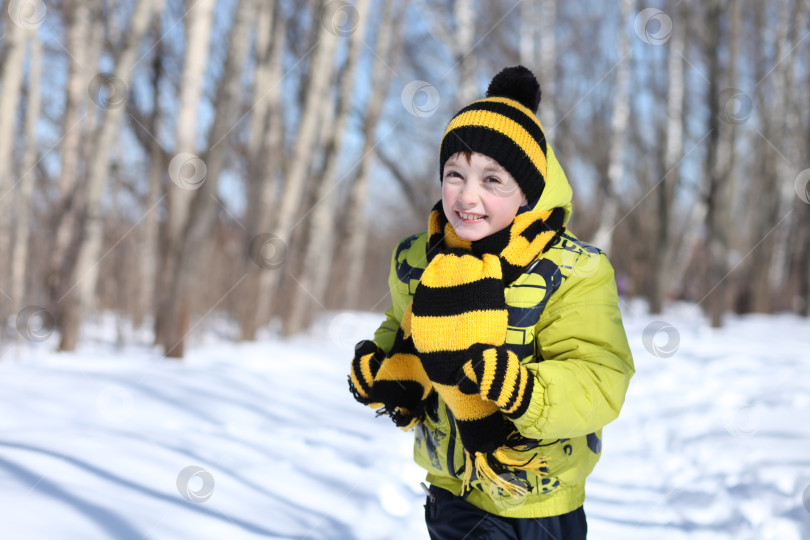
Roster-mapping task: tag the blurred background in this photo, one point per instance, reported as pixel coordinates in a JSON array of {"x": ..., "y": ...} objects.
[{"x": 255, "y": 162}]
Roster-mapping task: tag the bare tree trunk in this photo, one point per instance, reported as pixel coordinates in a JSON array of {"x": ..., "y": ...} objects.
[
  {"x": 314, "y": 280},
  {"x": 603, "y": 238},
  {"x": 203, "y": 209},
  {"x": 803, "y": 217},
  {"x": 663, "y": 252},
  {"x": 9, "y": 105},
  {"x": 720, "y": 160},
  {"x": 265, "y": 155},
  {"x": 148, "y": 260},
  {"x": 356, "y": 231},
  {"x": 84, "y": 275},
  {"x": 78, "y": 15},
  {"x": 784, "y": 111},
  {"x": 311, "y": 114},
  {"x": 527, "y": 39},
  {"x": 464, "y": 55},
  {"x": 804, "y": 273},
  {"x": 548, "y": 65},
  {"x": 186, "y": 169},
  {"x": 19, "y": 258},
  {"x": 716, "y": 257}
]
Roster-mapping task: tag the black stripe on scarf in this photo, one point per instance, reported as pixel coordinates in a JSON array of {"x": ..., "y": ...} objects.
[{"x": 458, "y": 299}]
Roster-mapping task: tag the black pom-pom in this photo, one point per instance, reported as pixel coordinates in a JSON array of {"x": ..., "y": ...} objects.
[{"x": 516, "y": 83}]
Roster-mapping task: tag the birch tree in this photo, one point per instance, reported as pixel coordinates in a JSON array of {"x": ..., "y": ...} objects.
[
  {"x": 321, "y": 69},
  {"x": 356, "y": 231},
  {"x": 803, "y": 215},
  {"x": 19, "y": 257},
  {"x": 548, "y": 65},
  {"x": 149, "y": 257},
  {"x": 673, "y": 148},
  {"x": 12, "y": 72},
  {"x": 186, "y": 169},
  {"x": 464, "y": 11},
  {"x": 786, "y": 116},
  {"x": 536, "y": 14},
  {"x": 527, "y": 37},
  {"x": 265, "y": 156},
  {"x": 720, "y": 161},
  {"x": 314, "y": 279},
  {"x": 603, "y": 237},
  {"x": 78, "y": 16},
  {"x": 84, "y": 274},
  {"x": 203, "y": 208}
]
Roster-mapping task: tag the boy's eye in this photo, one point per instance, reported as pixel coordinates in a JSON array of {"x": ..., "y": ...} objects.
[
  {"x": 452, "y": 174},
  {"x": 492, "y": 180}
]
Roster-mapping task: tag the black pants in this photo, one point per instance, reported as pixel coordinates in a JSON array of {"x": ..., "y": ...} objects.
[{"x": 452, "y": 518}]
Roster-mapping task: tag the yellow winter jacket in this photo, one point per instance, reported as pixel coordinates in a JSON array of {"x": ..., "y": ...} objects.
[{"x": 565, "y": 324}]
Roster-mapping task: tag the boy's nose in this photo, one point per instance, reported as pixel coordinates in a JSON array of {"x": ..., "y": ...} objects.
[{"x": 469, "y": 194}]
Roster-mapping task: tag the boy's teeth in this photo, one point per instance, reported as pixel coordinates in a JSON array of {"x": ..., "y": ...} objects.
[{"x": 469, "y": 216}]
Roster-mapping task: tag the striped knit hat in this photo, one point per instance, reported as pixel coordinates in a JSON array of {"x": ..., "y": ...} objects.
[{"x": 503, "y": 126}]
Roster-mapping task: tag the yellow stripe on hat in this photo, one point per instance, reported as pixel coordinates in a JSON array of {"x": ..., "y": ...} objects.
[
  {"x": 517, "y": 105},
  {"x": 505, "y": 126}
]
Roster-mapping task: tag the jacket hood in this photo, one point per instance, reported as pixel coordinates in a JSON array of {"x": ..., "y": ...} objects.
[{"x": 557, "y": 191}]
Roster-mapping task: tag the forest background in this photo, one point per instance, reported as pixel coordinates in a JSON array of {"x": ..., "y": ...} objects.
[{"x": 176, "y": 163}]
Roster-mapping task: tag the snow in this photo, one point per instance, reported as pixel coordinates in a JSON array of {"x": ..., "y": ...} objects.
[{"x": 263, "y": 439}]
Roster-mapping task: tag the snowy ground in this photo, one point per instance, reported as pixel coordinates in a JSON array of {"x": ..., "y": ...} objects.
[{"x": 263, "y": 440}]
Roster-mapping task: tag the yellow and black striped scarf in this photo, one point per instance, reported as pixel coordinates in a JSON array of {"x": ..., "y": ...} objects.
[{"x": 458, "y": 314}]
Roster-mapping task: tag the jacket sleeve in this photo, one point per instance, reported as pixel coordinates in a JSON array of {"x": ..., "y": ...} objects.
[
  {"x": 586, "y": 364},
  {"x": 385, "y": 334}
]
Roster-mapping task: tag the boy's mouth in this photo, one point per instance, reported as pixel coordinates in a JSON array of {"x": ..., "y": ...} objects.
[{"x": 470, "y": 218}]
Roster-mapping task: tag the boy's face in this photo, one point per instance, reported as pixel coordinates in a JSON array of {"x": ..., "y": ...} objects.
[{"x": 479, "y": 197}]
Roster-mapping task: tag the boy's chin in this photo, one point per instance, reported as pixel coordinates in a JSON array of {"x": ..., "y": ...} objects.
[{"x": 470, "y": 234}]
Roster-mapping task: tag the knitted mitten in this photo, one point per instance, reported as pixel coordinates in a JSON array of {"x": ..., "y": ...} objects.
[
  {"x": 498, "y": 376},
  {"x": 365, "y": 365},
  {"x": 394, "y": 384}
]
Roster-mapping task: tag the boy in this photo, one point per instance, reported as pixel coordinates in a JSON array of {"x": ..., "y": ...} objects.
[{"x": 504, "y": 347}]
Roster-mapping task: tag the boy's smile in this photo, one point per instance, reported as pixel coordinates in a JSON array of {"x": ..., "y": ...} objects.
[{"x": 479, "y": 196}]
